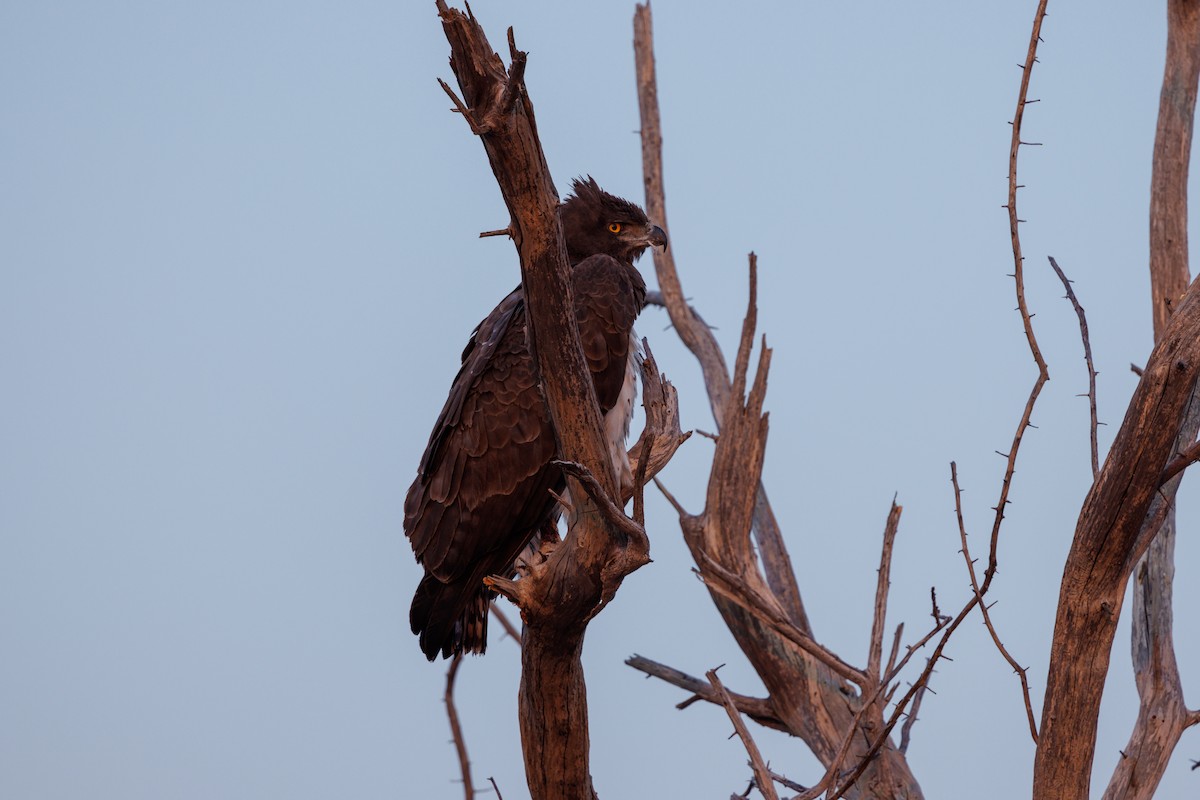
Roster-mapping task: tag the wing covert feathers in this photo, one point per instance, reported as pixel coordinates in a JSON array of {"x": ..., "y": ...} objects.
[{"x": 482, "y": 490}]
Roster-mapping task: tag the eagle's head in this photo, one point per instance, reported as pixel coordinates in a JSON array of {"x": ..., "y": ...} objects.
[{"x": 596, "y": 222}]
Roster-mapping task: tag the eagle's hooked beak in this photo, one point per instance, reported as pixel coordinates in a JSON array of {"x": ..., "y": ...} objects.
[{"x": 656, "y": 237}]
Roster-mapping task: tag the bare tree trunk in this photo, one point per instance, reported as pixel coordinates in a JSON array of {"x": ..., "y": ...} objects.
[
  {"x": 1163, "y": 716},
  {"x": 1109, "y": 538},
  {"x": 578, "y": 578}
]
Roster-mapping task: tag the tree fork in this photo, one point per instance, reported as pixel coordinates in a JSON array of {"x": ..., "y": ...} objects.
[{"x": 581, "y": 575}]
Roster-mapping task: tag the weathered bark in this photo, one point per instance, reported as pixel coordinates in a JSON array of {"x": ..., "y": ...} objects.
[
  {"x": 578, "y": 578},
  {"x": 1107, "y": 544},
  {"x": 1172, "y": 151},
  {"x": 806, "y": 695},
  {"x": 1162, "y": 715},
  {"x": 694, "y": 332}
]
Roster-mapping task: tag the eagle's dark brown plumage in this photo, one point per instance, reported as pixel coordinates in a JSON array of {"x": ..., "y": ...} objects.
[{"x": 483, "y": 487}]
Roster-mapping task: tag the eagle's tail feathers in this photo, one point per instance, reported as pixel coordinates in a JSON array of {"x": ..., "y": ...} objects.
[{"x": 444, "y": 622}]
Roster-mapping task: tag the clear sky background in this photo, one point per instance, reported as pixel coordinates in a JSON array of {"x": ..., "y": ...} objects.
[{"x": 238, "y": 262}]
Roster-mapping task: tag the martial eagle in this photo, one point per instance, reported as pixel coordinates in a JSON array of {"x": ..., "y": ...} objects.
[{"x": 482, "y": 490}]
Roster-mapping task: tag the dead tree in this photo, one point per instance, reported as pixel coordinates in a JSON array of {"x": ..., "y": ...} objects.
[
  {"x": 577, "y": 579},
  {"x": 1132, "y": 499},
  {"x": 846, "y": 714}
]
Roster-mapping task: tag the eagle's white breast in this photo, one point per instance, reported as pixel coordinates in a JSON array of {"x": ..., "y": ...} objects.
[{"x": 616, "y": 421}]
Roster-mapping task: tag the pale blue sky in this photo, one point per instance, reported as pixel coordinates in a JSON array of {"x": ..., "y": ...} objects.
[{"x": 238, "y": 261}]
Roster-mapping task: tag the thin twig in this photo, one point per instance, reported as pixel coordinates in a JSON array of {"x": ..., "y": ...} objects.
[
  {"x": 460, "y": 744},
  {"x": 783, "y": 780},
  {"x": 495, "y": 788},
  {"x": 947, "y": 629},
  {"x": 911, "y": 719},
  {"x": 891, "y": 664},
  {"x": 1019, "y": 280},
  {"x": 1087, "y": 357},
  {"x": 671, "y": 498},
  {"x": 987, "y": 619},
  {"x": 761, "y": 775},
  {"x": 758, "y": 709},
  {"x": 1180, "y": 462},
  {"x": 509, "y": 628}
]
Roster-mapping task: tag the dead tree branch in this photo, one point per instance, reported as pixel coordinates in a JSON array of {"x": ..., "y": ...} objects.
[
  {"x": 460, "y": 743},
  {"x": 1162, "y": 714},
  {"x": 1189, "y": 456},
  {"x": 808, "y": 693},
  {"x": 1087, "y": 357},
  {"x": 757, "y": 708},
  {"x": 694, "y": 332},
  {"x": 1022, "y": 306},
  {"x": 509, "y": 628},
  {"x": 1106, "y": 547},
  {"x": 875, "y": 651},
  {"x": 911, "y": 719},
  {"x": 983, "y": 607},
  {"x": 762, "y": 776},
  {"x": 661, "y": 403},
  {"x": 578, "y": 578}
]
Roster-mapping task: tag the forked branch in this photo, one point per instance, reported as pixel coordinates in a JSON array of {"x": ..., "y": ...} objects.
[{"x": 578, "y": 578}]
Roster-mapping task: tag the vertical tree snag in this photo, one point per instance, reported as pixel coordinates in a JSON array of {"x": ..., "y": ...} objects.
[
  {"x": 1109, "y": 539},
  {"x": 807, "y": 694},
  {"x": 576, "y": 580},
  {"x": 1162, "y": 715},
  {"x": 691, "y": 329}
]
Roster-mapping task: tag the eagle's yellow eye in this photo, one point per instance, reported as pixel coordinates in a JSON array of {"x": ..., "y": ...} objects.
[{"x": 614, "y": 227}]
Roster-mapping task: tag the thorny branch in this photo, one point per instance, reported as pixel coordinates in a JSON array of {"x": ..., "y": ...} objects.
[
  {"x": 1019, "y": 280},
  {"x": 911, "y": 719},
  {"x": 1087, "y": 357},
  {"x": 983, "y": 607}
]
